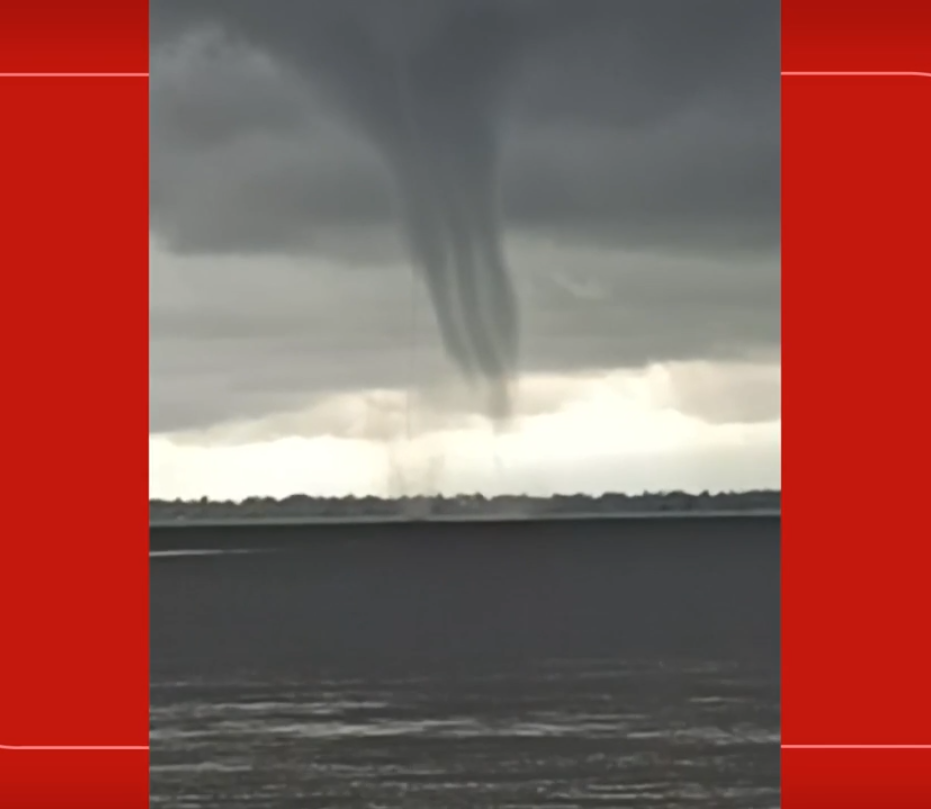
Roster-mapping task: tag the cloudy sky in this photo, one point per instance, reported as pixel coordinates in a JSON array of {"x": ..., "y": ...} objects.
[{"x": 324, "y": 171}]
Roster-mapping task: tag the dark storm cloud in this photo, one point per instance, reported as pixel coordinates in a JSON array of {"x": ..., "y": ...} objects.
[
  {"x": 651, "y": 121},
  {"x": 605, "y": 124},
  {"x": 244, "y": 337}
]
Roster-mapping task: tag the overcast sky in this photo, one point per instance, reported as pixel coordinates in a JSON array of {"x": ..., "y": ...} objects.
[{"x": 635, "y": 165}]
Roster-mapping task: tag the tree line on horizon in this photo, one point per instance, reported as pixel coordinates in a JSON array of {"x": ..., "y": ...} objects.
[{"x": 309, "y": 505}]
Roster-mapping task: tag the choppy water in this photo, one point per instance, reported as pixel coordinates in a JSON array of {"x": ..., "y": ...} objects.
[{"x": 558, "y": 734}]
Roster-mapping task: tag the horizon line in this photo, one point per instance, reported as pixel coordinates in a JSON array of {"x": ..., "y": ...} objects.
[{"x": 442, "y": 495}]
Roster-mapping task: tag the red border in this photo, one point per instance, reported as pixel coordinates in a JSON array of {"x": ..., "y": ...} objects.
[
  {"x": 74, "y": 565},
  {"x": 856, "y": 175},
  {"x": 856, "y": 183},
  {"x": 855, "y": 779},
  {"x": 855, "y": 35},
  {"x": 61, "y": 36}
]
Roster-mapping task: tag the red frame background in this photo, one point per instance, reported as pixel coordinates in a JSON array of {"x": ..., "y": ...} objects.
[
  {"x": 74, "y": 598},
  {"x": 856, "y": 204},
  {"x": 74, "y": 252}
]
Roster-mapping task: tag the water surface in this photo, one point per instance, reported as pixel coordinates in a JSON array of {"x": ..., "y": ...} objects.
[{"x": 569, "y": 665}]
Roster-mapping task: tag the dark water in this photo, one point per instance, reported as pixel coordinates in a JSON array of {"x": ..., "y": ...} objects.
[{"x": 590, "y": 665}]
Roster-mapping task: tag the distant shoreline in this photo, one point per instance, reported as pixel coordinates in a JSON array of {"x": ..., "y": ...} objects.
[
  {"x": 304, "y": 510},
  {"x": 270, "y": 522}
]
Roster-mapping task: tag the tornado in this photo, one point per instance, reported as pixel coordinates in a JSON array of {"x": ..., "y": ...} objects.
[
  {"x": 426, "y": 84},
  {"x": 452, "y": 91}
]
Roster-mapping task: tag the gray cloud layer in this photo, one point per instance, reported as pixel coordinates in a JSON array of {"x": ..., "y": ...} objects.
[
  {"x": 653, "y": 122},
  {"x": 639, "y": 181}
]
